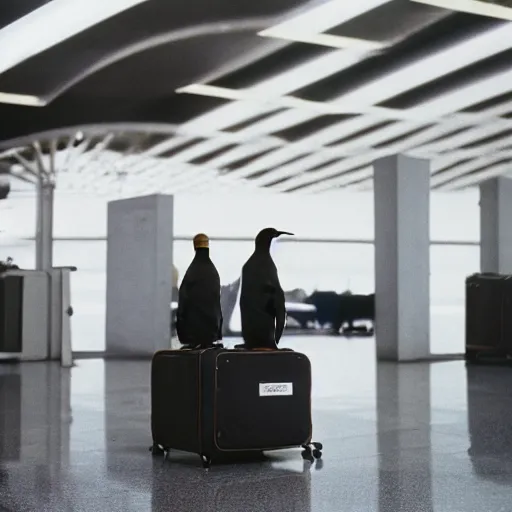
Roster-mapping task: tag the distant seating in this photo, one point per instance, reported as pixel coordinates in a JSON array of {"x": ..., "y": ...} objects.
[
  {"x": 296, "y": 295},
  {"x": 327, "y": 306},
  {"x": 321, "y": 308},
  {"x": 228, "y": 296},
  {"x": 7, "y": 265},
  {"x": 343, "y": 310}
]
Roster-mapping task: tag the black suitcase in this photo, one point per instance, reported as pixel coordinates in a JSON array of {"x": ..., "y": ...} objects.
[
  {"x": 11, "y": 317},
  {"x": 488, "y": 312},
  {"x": 220, "y": 403}
]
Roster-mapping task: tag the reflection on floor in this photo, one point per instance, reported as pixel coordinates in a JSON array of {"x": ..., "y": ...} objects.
[{"x": 414, "y": 437}]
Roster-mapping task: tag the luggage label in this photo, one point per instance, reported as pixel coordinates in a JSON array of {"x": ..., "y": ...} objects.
[{"x": 276, "y": 388}]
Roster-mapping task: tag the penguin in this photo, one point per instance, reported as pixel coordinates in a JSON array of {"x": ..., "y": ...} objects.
[
  {"x": 199, "y": 315},
  {"x": 262, "y": 302}
]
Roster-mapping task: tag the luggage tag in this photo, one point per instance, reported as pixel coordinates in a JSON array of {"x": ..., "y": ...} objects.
[{"x": 276, "y": 388}]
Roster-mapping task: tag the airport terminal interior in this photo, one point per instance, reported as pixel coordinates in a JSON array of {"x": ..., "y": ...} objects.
[{"x": 379, "y": 132}]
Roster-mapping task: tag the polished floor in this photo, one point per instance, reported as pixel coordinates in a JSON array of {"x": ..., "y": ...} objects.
[{"x": 413, "y": 437}]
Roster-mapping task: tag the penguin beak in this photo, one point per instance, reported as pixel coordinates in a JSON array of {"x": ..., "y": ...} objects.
[{"x": 279, "y": 233}]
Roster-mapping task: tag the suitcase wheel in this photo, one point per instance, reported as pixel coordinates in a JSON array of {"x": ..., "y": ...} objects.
[
  {"x": 312, "y": 451},
  {"x": 472, "y": 356},
  {"x": 317, "y": 454},
  {"x": 307, "y": 455},
  {"x": 206, "y": 461},
  {"x": 156, "y": 449}
]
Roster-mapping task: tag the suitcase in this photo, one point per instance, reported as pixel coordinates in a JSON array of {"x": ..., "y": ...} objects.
[
  {"x": 222, "y": 403},
  {"x": 11, "y": 313},
  {"x": 488, "y": 312}
]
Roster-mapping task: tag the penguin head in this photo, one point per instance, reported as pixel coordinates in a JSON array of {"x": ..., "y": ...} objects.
[
  {"x": 265, "y": 237},
  {"x": 201, "y": 241}
]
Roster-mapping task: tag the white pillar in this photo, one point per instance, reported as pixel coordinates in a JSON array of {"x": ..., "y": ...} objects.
[
  {"x": 496, "y": 225},
  {"x": 402, "y": 258},
  {"x": 139, "y": 275},
  {"x": 44, "y": 226}
]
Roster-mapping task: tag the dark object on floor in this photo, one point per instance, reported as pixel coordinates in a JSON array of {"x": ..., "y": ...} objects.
[
  {"x": 353, "y": 308},
  {"x": 262, "y": 303},
  {"x": 220, "y": 402},
  {"x": 488, "y": 316},
  {"x": 327, "y": 306},
  {"x": 302, "y": 316},
  {"x": 343, "y": 309},
  {"x": 199, "y": 315}
]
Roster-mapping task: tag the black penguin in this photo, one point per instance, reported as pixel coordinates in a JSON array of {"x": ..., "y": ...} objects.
[
  {"x": 199, "y": 315},
  {"x": 262, "y": 303}
]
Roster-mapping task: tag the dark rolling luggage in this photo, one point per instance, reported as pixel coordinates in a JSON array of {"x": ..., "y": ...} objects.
[
  {"x": 11, "y": 316},
  {"x": 488, "y": 315},
  {"x": 219, "y": 403}
]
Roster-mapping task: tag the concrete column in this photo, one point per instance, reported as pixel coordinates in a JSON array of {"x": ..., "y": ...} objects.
[
  {"x": 139, "y": 275},
  {"x": 402, "y": 258},
  {"x": 44, "y": 226},
  {"x": 496, "y": 225}
]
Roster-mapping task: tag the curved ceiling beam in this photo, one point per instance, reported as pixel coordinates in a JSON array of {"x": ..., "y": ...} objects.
[
  {"x": 206, "y": 29},
  {"x": 40, "y": 76},
  {"x": 19, "y": 43},
  {"x": 105, "y": 129}
]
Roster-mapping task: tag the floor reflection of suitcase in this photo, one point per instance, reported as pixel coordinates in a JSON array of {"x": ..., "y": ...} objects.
[
  {"x": 223, "y": 403},
  {"x": 488, "y": 315},
  {"x": 252, "y": 488},
  {"x": 10, "y": 415}
]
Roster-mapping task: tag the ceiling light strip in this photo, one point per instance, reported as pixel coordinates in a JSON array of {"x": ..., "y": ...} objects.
[
  {"x": 311, "y": 71},
  {"x": 464, "y": 97},
  {"x": 276, "y": 123},
  {"x": 461, "y": 139},
  {"x": 321, "y": 18},
  {"x": 269, "y": 161},
  {"x": 327, "y": 15},
  {"x": 472, "y": 7},
  {"x": 308, "y": 162},
  {"x": 350, "y": 177},
  {"x": 51, "y": 24},
  {"x": 24, "y": 100},
  {"x": 460, "y": 170},
  {"x": 280, "y": 84},
  {"x": 240, "y": 153},
  {"x": 343, "y": 180},
  {"x": 328, "y": 40},
  {"x": 334, "y": 107},
  {"x": 362, "y": 145},
  {"x": 369, "y": 157},
  {"x": 477, "y": 177},
  {"x": 435, "y": 65}
]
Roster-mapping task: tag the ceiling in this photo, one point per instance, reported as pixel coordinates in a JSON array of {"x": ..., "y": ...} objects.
[{"x": 275, "y": 95}]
